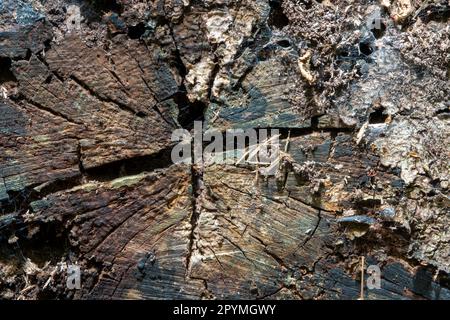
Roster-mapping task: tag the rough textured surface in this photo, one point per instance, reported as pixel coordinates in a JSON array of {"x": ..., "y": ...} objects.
[{"x": 359, "y": 90}]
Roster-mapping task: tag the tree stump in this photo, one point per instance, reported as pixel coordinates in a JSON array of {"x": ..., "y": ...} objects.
[{"x": 91, "y": 93}]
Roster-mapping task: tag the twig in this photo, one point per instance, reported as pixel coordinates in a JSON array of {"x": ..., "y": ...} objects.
[{"x": 362, "y": 279}]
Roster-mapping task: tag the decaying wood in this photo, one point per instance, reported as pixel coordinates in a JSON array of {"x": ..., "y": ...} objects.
[{"x": 87, "y": 114}]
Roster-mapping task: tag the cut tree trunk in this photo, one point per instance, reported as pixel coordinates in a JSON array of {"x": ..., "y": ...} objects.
[{"x": 92, "y": 92}]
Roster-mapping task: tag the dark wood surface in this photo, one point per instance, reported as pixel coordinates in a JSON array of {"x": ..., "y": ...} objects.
[{"x": 86, "y": 118}]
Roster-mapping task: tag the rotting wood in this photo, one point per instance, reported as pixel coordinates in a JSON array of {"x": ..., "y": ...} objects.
[{"x": 86, "y": 118}]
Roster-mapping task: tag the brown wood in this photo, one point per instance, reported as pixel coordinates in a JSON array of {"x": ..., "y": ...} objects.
[{"x": 86, "y": 118}]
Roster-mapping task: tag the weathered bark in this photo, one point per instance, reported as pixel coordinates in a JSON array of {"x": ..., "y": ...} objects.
[{"x": 86, "y": 117}]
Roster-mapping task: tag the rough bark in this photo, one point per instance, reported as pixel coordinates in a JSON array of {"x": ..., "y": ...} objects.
[{"x": 86, "y": 117}]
